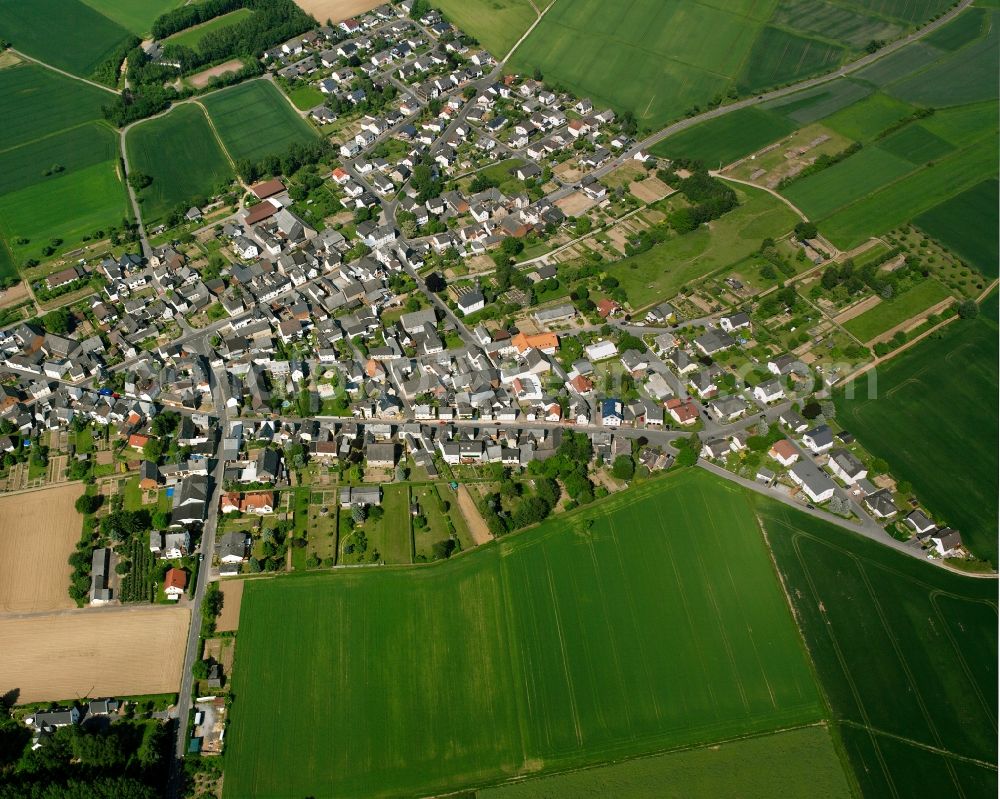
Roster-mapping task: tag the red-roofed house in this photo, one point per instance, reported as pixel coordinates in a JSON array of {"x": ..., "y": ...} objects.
[
  {"x": 682, "y": 411},
  {"x": 606, "y": 308},
  {"x": 174, "y": 583},
  {"x": 784, "y": 452},
  {"x": 267, "y": 188},
  {"x": 138, "y": 441}
]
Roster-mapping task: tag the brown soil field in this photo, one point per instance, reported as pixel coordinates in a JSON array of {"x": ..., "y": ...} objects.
[
  {"x": 477, "y": 527},
  {"x": 575, "y": 204},
  {"x": 232, "y": 598},
  {"x": 121, "y": 651},
  {"x": 649, "y": 190},
  {"x": 336, "y": 10},
  {"x": 202, "y": 78},
  {"x": 38, "y": 531}
]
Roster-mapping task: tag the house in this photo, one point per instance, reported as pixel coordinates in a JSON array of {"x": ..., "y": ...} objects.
[
  {"x": 727, "y": 409},
  {"x": 233, "y": 548},
  {"x": 543, "y": 342},
  {"x": 920, "y": 523},
  {"x": 149, "y": 475},
  {"x": 381, "y": 456},
  {"x": 170, "y": 545},
  {"x": 793, "y": 421},
  {"x": 846, "y": 466},
  {"x": 769, "y": 391},
  {"x": 816, "y": 485},
  {"x": 947, "y": 542},
  {"x": 360, "y": 495},
  {"x": 819, "y": 439},
  {"x": 684, "y": 412},
  {"x": 715, "y": 449},
  {"x": 881, "y": 505},
  {"x": 784, "y": 452},
  {"x": 612, "y": 413},
  {"x": 56, "y": 717},
  {"x": 471, "y": 301},
  {"x": 601, "y": 350},
  {"x": 174, "y": 583},
  {"x": 734, "y": 321},
  {"x": 100, "y": 572},
  {"x": 714, "y": 341}
]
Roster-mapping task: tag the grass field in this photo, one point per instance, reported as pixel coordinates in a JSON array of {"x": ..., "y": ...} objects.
[
  {"x": 916, "y": 144},
  {"x": 864, "y": 120},
  {"x": 181, "y": 154},
  {"x": 36, "y": 102},
  {"x": 886, "y": 315},
  {"x": 134, "y": 15},
  {"x": 74, "y": 149},
  {"x": 967, "y": 224},
  {"x": 306, "y": 97},
  {"x": 618, "y": 631},
  {"x": 65, "y": 33},
  {"x": 391, "y": 536},
  {"x": 254, "y": 120},
  {"x": 659, "y": 273},
  {"x": 814, "y": 104},
  {"x": 907, "y": 654},
  {"x": 779, "y": 57},
  {"x": 934, "y": 421},
  {"x": 73, "y": 654},
  {"x": 726, "y": 138},
  {"x": 191, "y": 37},
  {"x": 497, "y": 24},
  {"x": 798, "y": 764},
  {"x": 38, "y": 532}
]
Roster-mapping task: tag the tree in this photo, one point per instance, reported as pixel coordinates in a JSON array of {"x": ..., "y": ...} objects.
[
  {"x": 443, "y": 549},
  {"x": 57, "y": 321},
  {"x": 968, "y": 309},
  {"x": 87, "y": 504},
  {"x": 165, "y": 423},
  {"x": 153, "y": 450},
  {"x": 200, "y": 670},
  {"x": 623, "y": 468},
  {"x": 806, "y": 230},
  {"x": 359, "y": 513}
]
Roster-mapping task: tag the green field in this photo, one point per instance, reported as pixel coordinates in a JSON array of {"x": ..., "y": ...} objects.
[
  {"x": 134, "y": 15},
  {"x": 76, "y": 148},
  {"x": 916, "y": 144},
  {"x": 887, "y": 314},
  {"x": 391, "y": 536},
  {"x": 659, "y": 273},
  {"x": 497, "y": 24},
  {"x": 181, "y": 154},
  {"x": 191, "y": 37},
  {"x": 64, "y": 33},
  {"x": 306, "y": 97},
  {"x": 906, "y": 652},
  {"x": 665, "y": 57},
  {"x": 814, "y": 104},
  {"x": 821, "y": 194},
  {"x": 36, "y": 102},
  {"x": 254, "y": 120},
  {"x": 864, "y": 120},
  {"x": 965, "y": 29},
  {"x": 967, "y": 224},
  {"x": 621, "y": 630},
  {"x": 934, "y": 421},
  {"x": 796, "y": 764},
  {"x": 726, "y": 138}
]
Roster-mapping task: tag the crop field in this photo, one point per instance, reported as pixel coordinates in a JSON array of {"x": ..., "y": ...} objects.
[
  {"x": 497, "y": 24},
  {"x": 899, "y": 202},
  {"x": 821, "y": 194},
  {"x": 665, "y": 57},
  {"x": 135, "y": 15},
  {"x": 779, "y": 57},
  {"x": 71, "y": 654},
  {"x": 907, "y": 653},
  {"x": 659, "y": 273},
  {"x": 192, "y": 37},
  {"x": 254, "y": 120},
  {"x": 886, "y": 315},
  {"x": 916, "y": 144},
  {"x": 59, "y": 154},
  {"x": 38, "y": 532},
  {"x": 726, "y": 138},
  {"x": 181, "y": 154},
  {"x": 65, "y": 33},
  {"x": 36, "y": 102},
  {"x": 617, "y": 631},
  {"x": 798, "y": 764},
  {"x": 899, "y": 64},
  {"x": 866, "y": 119},
  {"x": 967, "y": 224},
  {"x": 808, "y": 106},
  {"x": 964, "y": 29},
  {"x": 949, "y": 384}
]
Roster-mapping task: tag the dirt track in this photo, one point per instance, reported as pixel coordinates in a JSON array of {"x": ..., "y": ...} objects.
[
  {"x": 119, "y": 651},
  {"x": 38, "y": 531}
]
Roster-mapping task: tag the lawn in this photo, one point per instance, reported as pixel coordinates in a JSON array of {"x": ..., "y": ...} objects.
[
  {"x": 934, "y": 422},
  {"x": 391, "y": 534},
  {"x": 726, "y": 138},
  {"x": 64, "y": 33},
  {"x": 795, "y": 764},
  {"x": 191, "y": 37},
  {"x": 181, "y": 154},
  {"x": 616, "y": 631},
  {"x": 254, "y": 120},
  {"x": 305, "y": 97},
  {"x": 36, "y": 102},
  {"x": 887, "y": 314},
  {"x": 906, "y": 652},
  {"x": 497, "y": 24},
  {"x": 967, "y": 224},
  {"x": 136, "y": 16},
  {"x": 659, "y": 273},
  {"x": 821, "y": 194}
]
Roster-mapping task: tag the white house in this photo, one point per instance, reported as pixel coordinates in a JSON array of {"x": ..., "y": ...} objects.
[{"x": 601, "y": 351}]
